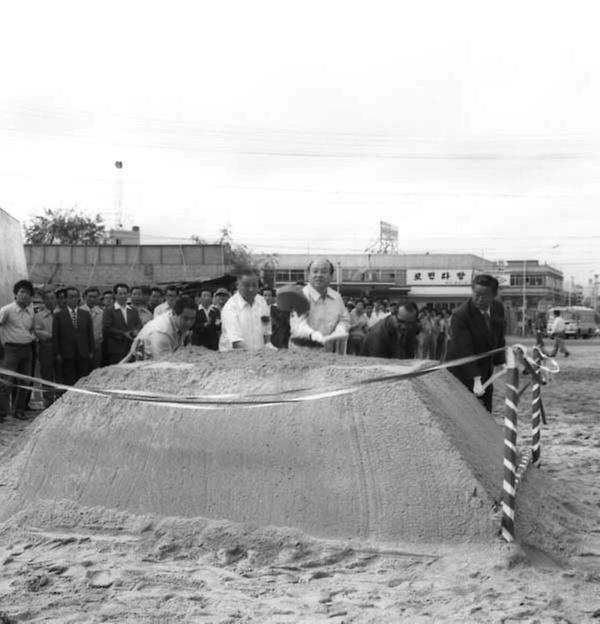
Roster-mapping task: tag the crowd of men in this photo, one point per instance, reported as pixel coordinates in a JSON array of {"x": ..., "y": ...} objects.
[
  {"x": 69, "y": 333},
  {"x": 72, "y": 333}
]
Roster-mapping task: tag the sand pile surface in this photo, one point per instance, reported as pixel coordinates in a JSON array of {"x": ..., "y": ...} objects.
[
  {"x": 417, "y": 460},
  {"x": 61, "y": 561}
]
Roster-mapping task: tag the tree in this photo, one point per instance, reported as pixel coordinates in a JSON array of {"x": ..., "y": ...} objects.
[
  {"x": 65, "y": 227},
  {"x": 240, "y": 256}
]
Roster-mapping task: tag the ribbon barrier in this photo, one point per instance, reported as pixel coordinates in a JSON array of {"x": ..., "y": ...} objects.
[{"x": 215, "y": 401}]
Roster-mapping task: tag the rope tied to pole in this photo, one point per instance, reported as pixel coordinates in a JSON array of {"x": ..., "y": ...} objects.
[{"x": 513, "y": 473}]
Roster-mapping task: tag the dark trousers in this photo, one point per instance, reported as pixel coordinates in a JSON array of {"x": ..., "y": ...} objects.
[
  {"x": 355, "y": 343},
  {"x": 47, "y": 369},
  {"x": 97, "y": 359},
  {"x": 559, "y": 345},
  {"x": 104, "y": 354},
  {"x": 440, "y": 351},
  {"x": 17, "y": 358},
  {"x": 115, "y": 358},
  {"x": 75, "y": 368},
  {"x": 32, "y": 370}
]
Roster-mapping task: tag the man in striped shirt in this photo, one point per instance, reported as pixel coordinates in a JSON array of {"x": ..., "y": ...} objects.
[{"x": 17, "y": 336}]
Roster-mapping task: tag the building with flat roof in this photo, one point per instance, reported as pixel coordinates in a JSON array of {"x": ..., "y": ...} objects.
[
  {"x": 124, "y": 237},
  {"x": 105, "y": 265},
  {"x": 541, "y": 285}
]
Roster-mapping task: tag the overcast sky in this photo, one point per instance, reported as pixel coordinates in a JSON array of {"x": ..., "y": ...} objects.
[{"x": 473, "y": 126}]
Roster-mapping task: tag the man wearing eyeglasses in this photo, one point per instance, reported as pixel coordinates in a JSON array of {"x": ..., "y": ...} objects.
[{"x": 394, "y": 336}]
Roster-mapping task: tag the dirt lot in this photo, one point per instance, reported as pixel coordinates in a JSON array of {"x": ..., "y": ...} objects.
[{"x": 105, "y": 566}]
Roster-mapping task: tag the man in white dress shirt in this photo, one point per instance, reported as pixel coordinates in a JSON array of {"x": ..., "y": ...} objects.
[
  {"x": 557, "y": 332},
  {"x": 327, "y": 322},
  {"x": 246, "y": 318},
  {"x": 378, "y": 313},
  {"x": 166, "y": 333},
  {"x": 171, "y": 294},
  {"x": 92, "y": 298}
]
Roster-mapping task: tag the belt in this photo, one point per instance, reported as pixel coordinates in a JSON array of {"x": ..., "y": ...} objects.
[{"x": 18, "y": 344}]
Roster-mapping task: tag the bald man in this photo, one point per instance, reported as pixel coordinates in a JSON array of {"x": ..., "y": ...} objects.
[{"x": 327, "y": 322}]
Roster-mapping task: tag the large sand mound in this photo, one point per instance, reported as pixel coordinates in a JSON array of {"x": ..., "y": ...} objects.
[{"x": 417, "y": 460}]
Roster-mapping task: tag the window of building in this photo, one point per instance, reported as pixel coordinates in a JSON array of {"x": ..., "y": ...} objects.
[
  {"x": 530, "y": 280},
  {"x": 297, "y": 275},
  {"x": 371, "y": 276}
]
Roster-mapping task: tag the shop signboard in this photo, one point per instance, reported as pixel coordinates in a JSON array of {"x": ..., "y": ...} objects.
[{"x": 439, "y": 277}]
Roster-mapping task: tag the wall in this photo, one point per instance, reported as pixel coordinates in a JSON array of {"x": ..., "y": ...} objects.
[
  {"x": 12, "y": 258},
  {"x": 104, "y": 265}
]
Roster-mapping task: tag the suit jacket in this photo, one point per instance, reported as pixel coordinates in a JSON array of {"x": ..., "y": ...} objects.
[
  {"x": 385, "y": 340},
  {"x": 469, "y": 335},
  {"x": 70, "y": 342},
  {"x": 207, "y": 328},
  {"x": 115, "y": 329},
  {"x": 280, "y": 327}
]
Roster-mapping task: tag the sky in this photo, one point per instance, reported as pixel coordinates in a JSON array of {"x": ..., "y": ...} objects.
[{"x": 472, "y": 126}]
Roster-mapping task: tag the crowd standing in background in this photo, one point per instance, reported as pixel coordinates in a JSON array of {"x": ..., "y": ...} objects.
[{"x": 69, "y": 334}]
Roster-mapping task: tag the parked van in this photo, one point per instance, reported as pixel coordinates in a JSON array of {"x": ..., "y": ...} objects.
[{"x": 579, "y": 321}]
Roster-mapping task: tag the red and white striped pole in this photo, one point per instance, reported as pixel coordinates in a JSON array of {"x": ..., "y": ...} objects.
[{"x": 510, "y": 448}]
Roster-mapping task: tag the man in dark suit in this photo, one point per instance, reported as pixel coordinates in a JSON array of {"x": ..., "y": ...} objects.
[
  {"x": 207, "y": 328},
  {"x": 280, "y": 321},
  {"x": 73, "y": 339},
  {"x": 202, "y": 329},
  {"x": 478, "y": 326},
  {"x": 121, "y": 324},
  {"x": 394, "y": 336}
]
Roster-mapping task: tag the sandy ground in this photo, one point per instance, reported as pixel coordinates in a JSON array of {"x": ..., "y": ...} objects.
[{"x": 103, "y": 566}]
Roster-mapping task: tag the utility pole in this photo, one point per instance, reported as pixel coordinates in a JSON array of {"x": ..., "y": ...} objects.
[
  {"x": 118, "y": 195},
  {"x": 524, "y": 293}
]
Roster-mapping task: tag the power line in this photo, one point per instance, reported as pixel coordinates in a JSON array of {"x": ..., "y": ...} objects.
[
  {"x": 316, "y": 191},
  {"x": 178, "y": 123},
  {"x": 314, "y": 154},
  {"x": 301, "y": 137}
]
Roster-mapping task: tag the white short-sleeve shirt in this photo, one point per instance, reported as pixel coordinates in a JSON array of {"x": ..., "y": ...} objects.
[{"x": 241, "y": 321}]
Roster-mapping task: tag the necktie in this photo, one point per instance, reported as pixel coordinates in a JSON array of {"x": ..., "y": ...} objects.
[
  {"x": 488, "y": 320},
  {"x": 74, "y": 317}
]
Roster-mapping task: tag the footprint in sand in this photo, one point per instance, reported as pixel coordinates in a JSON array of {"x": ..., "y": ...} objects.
[{"x": 100, "y": 578}]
